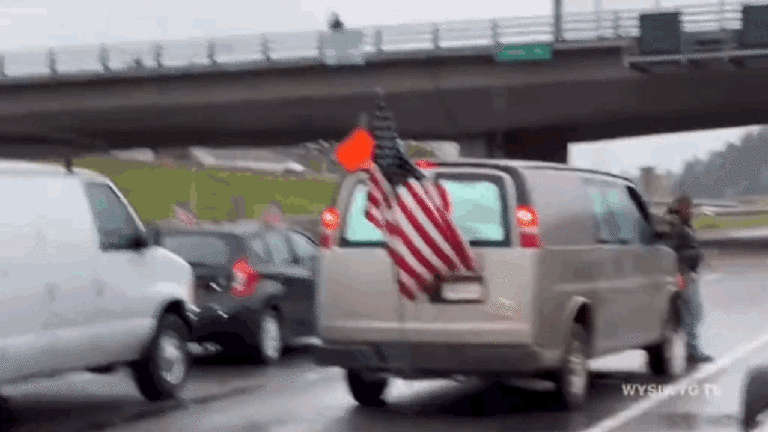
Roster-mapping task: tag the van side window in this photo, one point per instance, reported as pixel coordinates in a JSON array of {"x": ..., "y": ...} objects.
[
  {"x": 646, "y": 230},
  {"x": 617, "y": 216},
  {"x": 114, "y": 222},
  {"x": 600, "y": 209}
]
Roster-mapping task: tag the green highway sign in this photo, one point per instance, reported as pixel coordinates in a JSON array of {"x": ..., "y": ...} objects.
[{"x": 512, "y": 53}]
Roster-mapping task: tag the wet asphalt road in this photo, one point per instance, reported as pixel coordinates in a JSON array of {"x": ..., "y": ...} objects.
[{"x": 229, "y": 395}]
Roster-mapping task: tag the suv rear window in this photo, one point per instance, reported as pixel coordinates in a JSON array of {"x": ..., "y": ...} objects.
[
  {"x": 478, "y": 209},
  {"x": 198, "y": 249}
]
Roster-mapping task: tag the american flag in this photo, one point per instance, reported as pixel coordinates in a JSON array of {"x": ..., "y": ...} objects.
[
  {"x": 415, "y": 214},
  {"x": 185, "y": 216}
]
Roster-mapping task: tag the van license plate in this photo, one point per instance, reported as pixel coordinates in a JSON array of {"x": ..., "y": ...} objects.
[{"x": 462, "y": 291}]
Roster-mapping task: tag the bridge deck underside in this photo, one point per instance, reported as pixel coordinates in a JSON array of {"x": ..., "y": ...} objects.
[{"x": 584, "y": 100}]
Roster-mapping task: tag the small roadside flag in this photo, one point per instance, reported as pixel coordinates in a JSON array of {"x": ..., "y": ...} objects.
[{"x": 184, "y": 216}]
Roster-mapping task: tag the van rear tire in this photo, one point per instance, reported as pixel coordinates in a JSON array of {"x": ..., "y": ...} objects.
[
  {"x": 670, "y": 357},
  {"x": 367, "y": 392},
  {"x": 755, "y": 397},
  {"x": 573, "y": 380}
]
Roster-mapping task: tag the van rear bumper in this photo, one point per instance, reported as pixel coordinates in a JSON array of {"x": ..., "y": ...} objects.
[{"x": 438, "y": 359}]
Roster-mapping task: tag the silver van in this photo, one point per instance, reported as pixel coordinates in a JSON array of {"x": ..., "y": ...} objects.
[
  {"x": 81, "y": 287},
  {"x": 571, "y": 270}
]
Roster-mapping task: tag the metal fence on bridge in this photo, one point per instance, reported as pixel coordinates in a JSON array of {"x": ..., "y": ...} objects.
[{"x": 277, "y": 48}]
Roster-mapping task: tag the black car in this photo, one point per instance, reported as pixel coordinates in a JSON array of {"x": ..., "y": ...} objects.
[{"x": 255, "y": 285}]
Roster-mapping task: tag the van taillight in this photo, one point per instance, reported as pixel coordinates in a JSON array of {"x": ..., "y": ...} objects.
[
  {"x": 330, "y": 221},
  {"x": 244, "y": 279},
  {"x": 426, "y": 164},
  {"x": 528, "y": 226}
]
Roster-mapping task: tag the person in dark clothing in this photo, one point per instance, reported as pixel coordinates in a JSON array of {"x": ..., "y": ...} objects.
[
  {"x": 682, "y": 240},
  {"x": 336, "y": 25}
]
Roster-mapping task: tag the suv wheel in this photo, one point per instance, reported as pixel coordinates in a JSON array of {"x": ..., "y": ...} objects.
[
  {"x": 574, "y": 377},
  {"x": 367, "y": 392},
  {"x": 670, "y": 357},
  {"x": 269, "y": 338},
  {"x": 163, "y": 370}
]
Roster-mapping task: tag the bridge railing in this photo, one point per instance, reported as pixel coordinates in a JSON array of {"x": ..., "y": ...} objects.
[{"x": 586, "y": 26}]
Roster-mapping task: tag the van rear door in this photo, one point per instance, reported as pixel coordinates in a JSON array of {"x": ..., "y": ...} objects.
[
  {"x": 358, "y": 300},
  {"x": 484, "y": 205}
]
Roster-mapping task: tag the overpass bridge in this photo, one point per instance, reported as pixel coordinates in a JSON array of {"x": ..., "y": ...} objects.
[{"x": 443, "y": 83}]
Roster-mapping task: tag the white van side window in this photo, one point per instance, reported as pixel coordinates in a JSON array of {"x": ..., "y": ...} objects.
[{"x": 115, "y": 223}]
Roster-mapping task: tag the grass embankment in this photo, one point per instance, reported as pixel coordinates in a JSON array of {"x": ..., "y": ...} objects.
[{"x": 154, "y": 189}]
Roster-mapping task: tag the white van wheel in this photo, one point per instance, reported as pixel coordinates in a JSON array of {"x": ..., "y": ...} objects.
[
  {"x": 670, "y": 357},
  {"x": 574, "y": 377},
  {"x": 367, "y": 392},
  {"x": 163, "y": 370}
]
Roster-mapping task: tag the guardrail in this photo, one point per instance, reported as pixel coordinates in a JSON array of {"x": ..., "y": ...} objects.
[
  {"x": 274, "y": 48},
  {"x": 739, "y": 212}
]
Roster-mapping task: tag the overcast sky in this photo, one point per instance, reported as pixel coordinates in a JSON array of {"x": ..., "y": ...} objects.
[{"x": 25, "y": 23}]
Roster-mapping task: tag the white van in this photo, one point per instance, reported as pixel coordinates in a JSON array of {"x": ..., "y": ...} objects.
[
  {"x": 571, "y": 269},
  {"x": 81, "y": 287}
]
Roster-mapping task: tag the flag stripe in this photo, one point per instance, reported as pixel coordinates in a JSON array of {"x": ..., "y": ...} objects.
[
  {"x": 429, "y": 230},
  {"x": 405, "y": 267},
  {"x": 431, "y": 264},
  {"x": 434, "y": 213},
  {"x": 406, "y": 286},
  {"x": 421, "y": 239},
  {"x": 426, "y": 237},
  {"x": 461, "y": 247},
  {"x": 408, "y": 232}
]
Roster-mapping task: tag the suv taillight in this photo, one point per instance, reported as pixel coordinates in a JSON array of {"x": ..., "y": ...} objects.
[
  {"x": 330, "y": 221},
  {"x": 528, "y": 226},
  {"x": 244, "y": 279}
]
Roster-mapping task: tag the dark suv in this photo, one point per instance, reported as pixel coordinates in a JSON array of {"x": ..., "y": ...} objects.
[{"x": 254, "y": 285}]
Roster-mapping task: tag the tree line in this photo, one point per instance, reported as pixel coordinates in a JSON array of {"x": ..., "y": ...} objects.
[{"x": 740, "y": 169}]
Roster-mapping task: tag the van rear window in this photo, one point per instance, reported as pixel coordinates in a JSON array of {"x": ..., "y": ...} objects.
[{"x": 477, "y": 210}]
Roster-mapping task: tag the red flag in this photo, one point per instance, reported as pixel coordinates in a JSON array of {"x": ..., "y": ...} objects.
[
  {"x": 355, "y": 152},
  {"x": 422, "y": 239}
]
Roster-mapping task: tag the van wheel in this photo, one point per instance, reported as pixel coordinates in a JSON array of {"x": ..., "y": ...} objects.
[
  {"x": 366, "y": 392},
  {"x": 270, "y": 342},
  {"x": 163, "y": 370},
  {"x": 755, "y": 399},
  {"x": 573, "y": 379},
  {"x": 670, "y": 357}
]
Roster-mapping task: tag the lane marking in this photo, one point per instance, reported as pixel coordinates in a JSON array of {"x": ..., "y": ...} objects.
[{"x": 646, "y": 405}]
